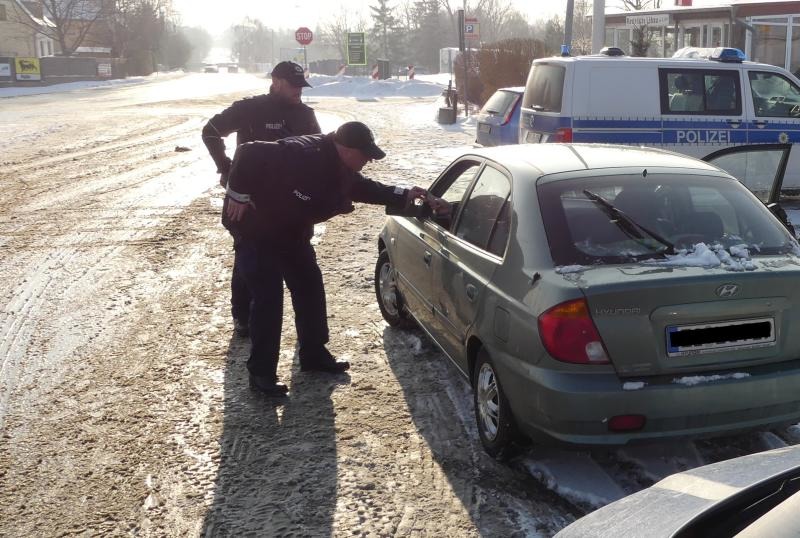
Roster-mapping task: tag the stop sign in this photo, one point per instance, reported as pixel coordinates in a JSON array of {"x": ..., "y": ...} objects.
[{"x": 303, "y": 35}]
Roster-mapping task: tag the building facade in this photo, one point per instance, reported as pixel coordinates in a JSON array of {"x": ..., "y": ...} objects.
[
  {"x": 22, "y": 31},
  {"x": 767, "y": 32}
]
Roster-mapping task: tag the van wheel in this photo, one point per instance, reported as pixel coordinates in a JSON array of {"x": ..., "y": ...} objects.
[
  {"x": 496, "y": 426},
  {"x": 389, "y": 299}
]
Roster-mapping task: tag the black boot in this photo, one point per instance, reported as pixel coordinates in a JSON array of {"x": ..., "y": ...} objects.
[{"x": 268, "y": 386}]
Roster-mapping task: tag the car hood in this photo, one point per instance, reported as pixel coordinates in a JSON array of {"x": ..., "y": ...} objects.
[{"x": 669, "y": 504}]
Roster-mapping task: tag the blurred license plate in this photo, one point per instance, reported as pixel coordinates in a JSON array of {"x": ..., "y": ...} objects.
[
  {"x": 683, "y": 340},
  {"x": 533, "y": 138},
  {"x": 485, "y": 128}
]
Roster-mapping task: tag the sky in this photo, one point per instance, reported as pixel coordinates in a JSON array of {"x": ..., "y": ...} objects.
[{"x": 297, "y": 13}]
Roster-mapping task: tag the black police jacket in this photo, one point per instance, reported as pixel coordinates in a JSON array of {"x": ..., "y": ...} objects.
[
  {"x": 264, "y": 117},
  {"x": 295, "y": 183}
]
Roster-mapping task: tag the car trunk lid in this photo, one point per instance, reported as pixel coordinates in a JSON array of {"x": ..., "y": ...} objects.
[{"x": 666, "y": 320}]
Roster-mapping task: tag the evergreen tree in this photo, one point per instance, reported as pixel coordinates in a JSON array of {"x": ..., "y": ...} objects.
[{"x": 386, "y": 34}]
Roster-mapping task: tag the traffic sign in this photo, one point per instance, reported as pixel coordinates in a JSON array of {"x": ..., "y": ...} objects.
[
  {"x": 303, "y": 35},
  {"x": 356, "y": 49},
  {"x": 471, "y": 28}
]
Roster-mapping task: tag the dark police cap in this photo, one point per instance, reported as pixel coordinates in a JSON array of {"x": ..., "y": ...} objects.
[
  {"x": 291, "y": 72},
  {"x": 355, "y": 134}
]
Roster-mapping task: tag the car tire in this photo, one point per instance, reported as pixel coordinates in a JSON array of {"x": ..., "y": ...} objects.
[
  {"x": 390, "y": 301},
  {"x": 496, "y": 426}
]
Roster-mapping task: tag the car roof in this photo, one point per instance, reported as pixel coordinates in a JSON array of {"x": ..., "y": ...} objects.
[{"x": 544, "y": 159}]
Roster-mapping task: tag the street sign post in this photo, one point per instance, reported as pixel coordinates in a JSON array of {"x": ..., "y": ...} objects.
[
  {"x": 304, "y": 36},
  {"x": 356, "y": 49}
]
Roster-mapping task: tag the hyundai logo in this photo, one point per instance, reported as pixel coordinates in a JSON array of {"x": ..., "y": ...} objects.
[{"x": 727, "y": 290}]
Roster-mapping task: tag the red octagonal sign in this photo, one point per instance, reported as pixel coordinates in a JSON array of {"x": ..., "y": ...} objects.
[{"x": 303, "y": 35}]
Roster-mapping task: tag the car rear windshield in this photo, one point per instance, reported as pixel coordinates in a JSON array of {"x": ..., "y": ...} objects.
[
  {"x": 499, "y": 103},
  {"x": 618, "y": 219},
  {"x": 544, "y": 88}
]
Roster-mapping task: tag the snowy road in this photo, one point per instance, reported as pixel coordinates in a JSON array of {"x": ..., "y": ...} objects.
[{"x": 124, "y": 406}]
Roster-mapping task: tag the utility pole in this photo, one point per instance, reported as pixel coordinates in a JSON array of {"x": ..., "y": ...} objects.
[
  {"x": 565, "y": 48},
  {"x": 599, "y": 25}
]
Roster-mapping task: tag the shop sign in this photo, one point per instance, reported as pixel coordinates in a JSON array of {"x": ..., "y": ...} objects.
[{"x": 648, "y": 20}]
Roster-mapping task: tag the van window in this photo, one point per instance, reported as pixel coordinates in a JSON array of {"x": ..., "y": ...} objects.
[
  {"x": 695, "y": 91},
  {"x": 544, "y": 88},
  {"x": 774, "y": 96}
]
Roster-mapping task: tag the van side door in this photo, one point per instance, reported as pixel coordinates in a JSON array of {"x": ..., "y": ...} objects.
[{"x": 702, "y": 109}]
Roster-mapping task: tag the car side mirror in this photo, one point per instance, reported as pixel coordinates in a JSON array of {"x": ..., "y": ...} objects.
[{"x": 776, "y": 209}]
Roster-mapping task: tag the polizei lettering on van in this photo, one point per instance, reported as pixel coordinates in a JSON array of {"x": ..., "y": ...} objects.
[{"x": 703, "y": 137}]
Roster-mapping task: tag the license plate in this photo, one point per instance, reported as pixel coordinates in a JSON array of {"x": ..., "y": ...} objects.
[
  {"x": 533, "y": 138},
  {"x": 683, "y": 340},
  {"x": 485, "y": 128}
]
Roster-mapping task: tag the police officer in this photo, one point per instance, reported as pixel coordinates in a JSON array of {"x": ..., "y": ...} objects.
[
  {"x": 277, "y": 192},
  {"x": 273, "y": 116}
]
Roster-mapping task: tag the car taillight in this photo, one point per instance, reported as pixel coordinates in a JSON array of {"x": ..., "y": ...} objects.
[
  {"x": 511, "y": 109},
  {"x": 562, "y": 134},
  {"x": 568, "y": 334}
]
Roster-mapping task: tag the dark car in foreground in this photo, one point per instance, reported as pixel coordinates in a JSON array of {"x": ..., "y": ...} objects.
[
  {"x": 601, "y": 295},
  {"x": 498, "y": 120},
  {"x": 753, "y": 496}
]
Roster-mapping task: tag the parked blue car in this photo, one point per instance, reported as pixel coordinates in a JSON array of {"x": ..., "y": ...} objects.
[{"x": 498, "y": 120}]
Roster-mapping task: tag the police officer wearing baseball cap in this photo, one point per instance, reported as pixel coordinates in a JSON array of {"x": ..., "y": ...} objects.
[
  {"x": 277, "y": 192},
  {"x": 270, "y": 117}
]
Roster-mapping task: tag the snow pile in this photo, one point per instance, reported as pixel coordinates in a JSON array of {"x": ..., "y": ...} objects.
[
  {"x": 567, "y": 269},
  {"x": 633, "y": 385},
  {"x": 690, "y": 381},
  {"x": 701, "y": 255},
  {"x": 366, "y": 88}
]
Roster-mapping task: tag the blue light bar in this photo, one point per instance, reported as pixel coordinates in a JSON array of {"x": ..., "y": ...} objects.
[{"x": 727, "y": 54}]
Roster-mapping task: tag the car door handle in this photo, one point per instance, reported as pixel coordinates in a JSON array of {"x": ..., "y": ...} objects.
[
  {"x": 734, "y": 123},
  {"x": 427, "y": 258},
  {"x": 760, "y": 123},
  {"x": 472, "y": 292}
]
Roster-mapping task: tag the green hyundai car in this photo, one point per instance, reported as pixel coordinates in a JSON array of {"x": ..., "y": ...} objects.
[{"x": 601, "y": 295}]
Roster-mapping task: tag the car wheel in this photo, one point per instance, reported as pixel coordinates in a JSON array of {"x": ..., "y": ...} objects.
[
  {"x": 496, "y": 426},
  {"x": 389, "y": 299}
]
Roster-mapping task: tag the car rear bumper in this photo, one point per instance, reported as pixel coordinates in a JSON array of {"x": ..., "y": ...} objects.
[{"x": 575, "y": 408}]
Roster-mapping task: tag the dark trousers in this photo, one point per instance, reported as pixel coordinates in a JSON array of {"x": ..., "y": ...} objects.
[
  {"x": 265, "y": 268},
  {"x": 240, "y": 294}
]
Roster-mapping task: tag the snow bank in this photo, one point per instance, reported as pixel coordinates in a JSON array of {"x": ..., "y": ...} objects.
[{"x": 83, "y": 84}]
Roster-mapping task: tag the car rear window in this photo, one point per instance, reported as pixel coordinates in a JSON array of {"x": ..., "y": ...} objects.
[
  {"x": 544, "y": 88},
  {"x": 676, "y": 210},
  {"x": 499, "y": 103}
]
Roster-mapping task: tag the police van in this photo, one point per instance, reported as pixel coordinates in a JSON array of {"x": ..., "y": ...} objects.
[{"x": 710, "y": 104}]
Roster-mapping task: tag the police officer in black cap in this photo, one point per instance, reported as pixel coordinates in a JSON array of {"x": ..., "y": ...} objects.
[
  {"x": 273, "y": 116},
  {"x": 276, "y": 193}
]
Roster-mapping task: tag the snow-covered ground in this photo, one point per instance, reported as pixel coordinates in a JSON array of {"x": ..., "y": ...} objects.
[{"x": 440, "y": 416}]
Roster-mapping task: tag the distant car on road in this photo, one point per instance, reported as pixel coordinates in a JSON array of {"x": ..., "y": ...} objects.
[
  {"x": 210, "y": 69},
  {"x": 751, "y": 496},
  {"x": 600, "y": 295},
  {"x": 498, "y": 120}
]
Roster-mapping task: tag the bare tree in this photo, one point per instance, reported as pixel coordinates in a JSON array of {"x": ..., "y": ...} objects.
[
  {"x": 71, "y": 21},
  {"x": 334, "y": 31},
  {"x": 642, "y": 35}
]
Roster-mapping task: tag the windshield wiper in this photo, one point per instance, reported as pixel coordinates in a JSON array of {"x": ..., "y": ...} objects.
[
  {"x": 537, "y": 108},
  {"x": 625, "y": 223}
]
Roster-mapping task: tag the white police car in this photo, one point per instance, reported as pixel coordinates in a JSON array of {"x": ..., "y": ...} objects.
[{"x": 706, "y": 103}]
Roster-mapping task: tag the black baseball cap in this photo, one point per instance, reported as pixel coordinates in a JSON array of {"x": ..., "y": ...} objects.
[
  {"x": 292, "y": 72},
  {"x": 356, "y": 135}
]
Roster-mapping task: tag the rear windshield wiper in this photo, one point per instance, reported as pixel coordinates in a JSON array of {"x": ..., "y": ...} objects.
[
  {"x": 537, "y": 108},
  {"x": 625, "y": 223}
]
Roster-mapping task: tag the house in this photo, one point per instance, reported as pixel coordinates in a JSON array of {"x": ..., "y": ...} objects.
[{"x": 24, "y": 30}]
